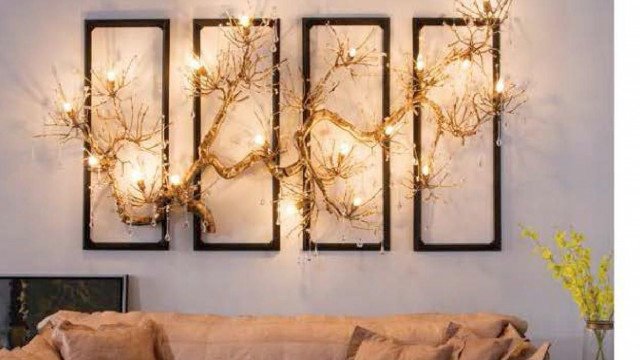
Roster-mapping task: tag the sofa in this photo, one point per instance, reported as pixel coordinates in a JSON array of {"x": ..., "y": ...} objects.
[{"x": 186, "y": 337}]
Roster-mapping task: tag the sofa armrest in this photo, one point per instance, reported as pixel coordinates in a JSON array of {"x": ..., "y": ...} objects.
[{"x": 37, "y": 349}]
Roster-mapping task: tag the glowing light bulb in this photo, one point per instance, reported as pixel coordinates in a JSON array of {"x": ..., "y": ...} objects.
[
  {"x": 244, "y": 21},
  {"x": 136, "y": 176},
  {"x": 420, "y": 63},
  {"x": 67, "y": 107},
  {"x": 352, "y": 53},
  {"x": 175, "y": 180},
  {"x": 289, "y": 209},
  {"x": 259, "y": 140},
  {"x": 389, "y": 129},
  {"x": 357, "y": 201},
  {"x": 500, "y": 86},
  {"x": 466, "y": 64},
  {"x": 344, "y": 149},
  {"x": 195, "y": 63},
  {"x": 426, "y": 170},
  {"x": 111, "y": 75},
  {"x": 93, "y": 161}
]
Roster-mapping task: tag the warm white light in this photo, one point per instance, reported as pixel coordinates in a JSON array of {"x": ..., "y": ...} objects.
[
  {"x": 259, "y": 140},
  {"x": 466, "y": 64},
  {"x": 111, "y": 75},
  {"x": 420, "y": 63},
  {"x": 500, "y": 86},
  {"x": 357, "y": 201},
  {"x": 389, "y": 129},
  {"x": 352, "y": 53},
  {"x": 195, "y": 63},
  {"x": 244, "y": 21},
  {"x": 136, "y": 176},
  {"x": 93, "y": 161},
  {"x": 289, "y": 208},
  {"x": 175, "y": 180},
  {"x": 344, "y": 149},
  {"x": 426, "y": 170},
  {"x": 67, "y": 107}
]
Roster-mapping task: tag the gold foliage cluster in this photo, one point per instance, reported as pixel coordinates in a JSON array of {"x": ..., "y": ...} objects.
[{"x": 120, "y": 123}]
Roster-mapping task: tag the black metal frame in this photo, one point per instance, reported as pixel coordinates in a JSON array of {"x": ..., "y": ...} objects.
[
  {"x": 274, "y": 244},
  {"x": 384, "y": 23},
  {"x": 496, "y": 244},
  {"x": 90, "y": 25},
  {"x": 124, "y": 283}
]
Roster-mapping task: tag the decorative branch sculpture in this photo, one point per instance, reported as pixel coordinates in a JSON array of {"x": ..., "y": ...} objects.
[{"x": 242, "y": 68}]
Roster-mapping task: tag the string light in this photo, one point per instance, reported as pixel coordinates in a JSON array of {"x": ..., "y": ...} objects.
[
  {"x": 420, "y": 63},
  {"x": 175, "y": 180},
  {"x": 352, "y": 53},
  {"x": 244, "y": 21},
  {"x": 195, "y": 63},
  {"x": 426, "y": 170},
  {"x": 67, "y": 107},
  {"x": 289, "y": 209},
  {"x": 259, "y": 140},
  {"x": 136, "y": 176},
  {"x": 466, "y": 64},
  {"x": 344, "y": 149},
  {"x": 357, "y": 201},
  {"x": 500, "y": 86},
  {"x": 389, "y": 129},
  {"x": 93, "y": 161},
  {"x": 111, "y": 76}
]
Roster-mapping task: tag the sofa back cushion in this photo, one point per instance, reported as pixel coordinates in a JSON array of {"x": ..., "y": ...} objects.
[
  {"x": 211, "y": 337},
  {"x": 107, "y": 342}
]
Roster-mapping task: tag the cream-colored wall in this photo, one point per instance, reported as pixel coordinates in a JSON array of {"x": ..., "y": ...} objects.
[{"x": 558, "y": 171}]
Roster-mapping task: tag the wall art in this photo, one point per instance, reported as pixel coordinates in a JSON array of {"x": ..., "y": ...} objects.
[
  {"x": 346, "y": 99},
  {"x": 457, "y": 142},
  {"x": 251, "y": 223},
  {"x": 124, "y": 123}
]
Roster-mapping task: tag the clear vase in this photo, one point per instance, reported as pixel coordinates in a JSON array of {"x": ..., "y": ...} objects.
[{"x": 597, "y": 343}]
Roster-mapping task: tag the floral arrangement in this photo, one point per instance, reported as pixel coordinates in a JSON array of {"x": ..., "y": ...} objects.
[{"x": 571, "y": 265}]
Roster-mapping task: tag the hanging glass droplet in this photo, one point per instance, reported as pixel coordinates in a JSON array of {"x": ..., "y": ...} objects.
[
  {"x": 167, "y": 237},
  {"x": 499, "y": 142}
]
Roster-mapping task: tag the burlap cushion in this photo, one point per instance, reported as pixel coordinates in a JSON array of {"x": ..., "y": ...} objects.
[
  {"x": 107, "y": 342},
  {"x": 368, "y": 345}
]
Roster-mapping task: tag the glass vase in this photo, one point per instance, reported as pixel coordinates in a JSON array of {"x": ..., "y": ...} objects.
[{"x": 597, "y": 343}]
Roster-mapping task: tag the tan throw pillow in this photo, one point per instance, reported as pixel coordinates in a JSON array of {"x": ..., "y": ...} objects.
[
  {"x": 107, "y": 342},
  {"x": 469, "y": 346},
  {"x": 367, "y": 345}
]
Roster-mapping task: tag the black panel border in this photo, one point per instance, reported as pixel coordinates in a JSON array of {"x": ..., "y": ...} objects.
[
  {"x": 89, "y": 26},
  {"x": 123, "y": 281},
  {"x": 384, "y": 23},
  {"x": 274, "y": 244},
  {"x": 496, "y": 244}
]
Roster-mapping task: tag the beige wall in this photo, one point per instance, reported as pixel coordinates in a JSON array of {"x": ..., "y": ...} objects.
[{"x": 558, "y": 171}]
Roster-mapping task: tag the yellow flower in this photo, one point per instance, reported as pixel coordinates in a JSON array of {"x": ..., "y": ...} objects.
[{"x": 571, "y": 265}]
